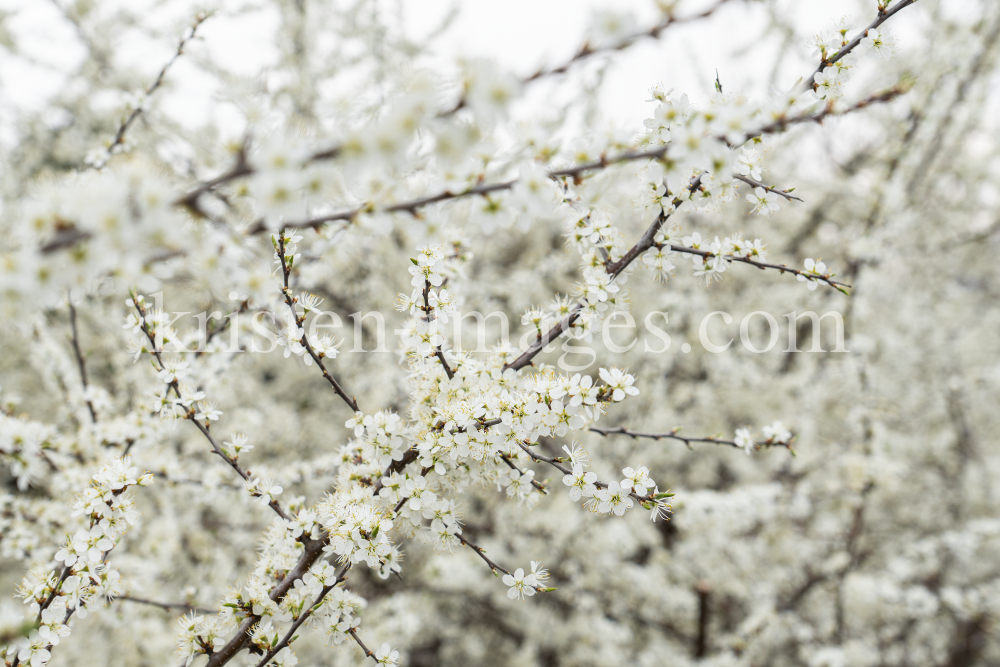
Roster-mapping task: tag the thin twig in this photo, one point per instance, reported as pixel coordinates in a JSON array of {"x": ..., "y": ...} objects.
[
  {"x": 368, "y": 653},
  {"x": 119, "y": 137},
  {"x": 428, "y": 316},
  {"x": 674, "y": 435},
  {"x": 286, "y": 271},
  {"x": 758, "y": 184},
  {"x": 782, "y": 268}
]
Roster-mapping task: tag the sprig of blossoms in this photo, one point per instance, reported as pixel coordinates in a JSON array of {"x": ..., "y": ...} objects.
[{"x": 86, "y": 580}]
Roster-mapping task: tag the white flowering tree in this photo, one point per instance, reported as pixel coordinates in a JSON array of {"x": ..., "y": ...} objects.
[{"x": 258, "y": 318}]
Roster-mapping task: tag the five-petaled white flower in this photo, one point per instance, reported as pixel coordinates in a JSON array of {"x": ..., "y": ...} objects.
[
  {"x": 386, "y": 655},
  {"x": 815, "y": 270},
  {"x": 620, "y": 382},
  {"x": 765, "y": 203},
  {"x": 521, "y": 585},
  {"x": 581, "y": 483},
  {"x": 745, "y": 440},
  {"x": 613, "y": 499}
]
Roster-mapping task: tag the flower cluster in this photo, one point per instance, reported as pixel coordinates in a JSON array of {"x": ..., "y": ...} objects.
[{"x": 85, "y": 580}]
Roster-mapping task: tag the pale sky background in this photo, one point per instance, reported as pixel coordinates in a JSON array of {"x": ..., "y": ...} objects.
[{"x": 518, "y": 34}]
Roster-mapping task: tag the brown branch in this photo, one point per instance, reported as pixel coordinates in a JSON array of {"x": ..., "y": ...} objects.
[
  {"x": 313, "y": 550},
  {"x": 576, "y": 171},
  {"x": 482, "y": 554},
  {"x": 479, "y": 551},
  {"x": 55, "y": 589},
  {"x": 411, "y": 206},
  {"x": 368, "y": 654},
  {"x": 550, "y": 335}
]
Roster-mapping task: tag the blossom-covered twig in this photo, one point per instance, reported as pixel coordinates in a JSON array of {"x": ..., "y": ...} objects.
[
  {"x": 613, "y": 268},
  {"x": 189, "y": 412},
  {"x": 884, "y": 14},
  {"x": 85, "y": 577},
  {"x": 574, "y": 171},
  {"x": 313, "y": 550},
  {"x": 304, "y": 616},
  {"x": 428, "y": 316},
  {"x": 757, "y": 184},
  {"x": 588, "y": 50},
  {"x": 806, "y": 275},
  {"x": 286, "y": 270}
]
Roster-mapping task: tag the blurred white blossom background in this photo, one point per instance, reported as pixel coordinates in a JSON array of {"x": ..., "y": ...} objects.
[{"x": 431, "y": 505}]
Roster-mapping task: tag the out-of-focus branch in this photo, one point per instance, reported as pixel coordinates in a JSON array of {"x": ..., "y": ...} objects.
[
  {"x": 704, "y": 591},
  {"x": 79, "y": 357},
  {"x": 313, "y": 550},
  {"x": 165, "y": 606},
  {"x": 586, "y": 50},
  {"x": 119, "y": 137}
]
